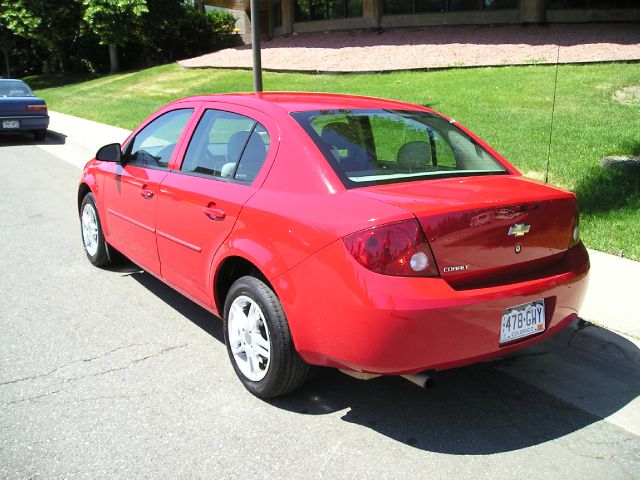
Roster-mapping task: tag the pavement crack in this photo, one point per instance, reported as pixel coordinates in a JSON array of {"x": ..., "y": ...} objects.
[
  {"x": 92, "y": 359},
  {"x": 35, "y": 397},
  {"x": 128, "y": 365},
  {"x": 104, "y": 397},
  {"x": 96, "y": 374}
]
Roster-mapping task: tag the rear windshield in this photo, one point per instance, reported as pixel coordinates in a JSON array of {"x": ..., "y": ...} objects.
[
  {"x": 371, "y": 147},
  {"x": 15, "y": 88}
]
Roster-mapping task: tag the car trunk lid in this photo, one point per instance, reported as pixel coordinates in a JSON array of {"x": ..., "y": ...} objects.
[
  {"x": 17, "y": 106},
  {"x": 488, "y": 228}
]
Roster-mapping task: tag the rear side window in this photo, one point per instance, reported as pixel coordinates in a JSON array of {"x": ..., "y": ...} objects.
[
  {"x": 154, "y": 144},
  {"x": 370, "y": 147},
  {"x": 227, "y": 146}
]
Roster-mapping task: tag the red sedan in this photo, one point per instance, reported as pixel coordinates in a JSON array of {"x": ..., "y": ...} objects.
[{"x": 374, "y": 236}]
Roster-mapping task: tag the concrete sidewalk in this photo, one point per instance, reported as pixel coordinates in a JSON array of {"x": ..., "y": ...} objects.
[
  {"x": 76, "y": 140},
  {"x": 611, "y": 314}
]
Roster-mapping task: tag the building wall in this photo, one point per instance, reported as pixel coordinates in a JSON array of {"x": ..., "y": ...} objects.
[{"x": 530, "y": 11}]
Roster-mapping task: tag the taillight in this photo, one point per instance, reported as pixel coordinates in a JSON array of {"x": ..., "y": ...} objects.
[
  {"x": 399, "y": 249},
  {"x": 575, "y": 231},
  {"x": 37, "y": 108}
]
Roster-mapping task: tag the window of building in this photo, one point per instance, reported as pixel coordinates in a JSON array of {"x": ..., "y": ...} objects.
[
  {"x": 586, "y": 4},
  {"x": 309, "y": 10},
  {"x": 395, "y": 7},
  {"x": 276, "y": 12}
]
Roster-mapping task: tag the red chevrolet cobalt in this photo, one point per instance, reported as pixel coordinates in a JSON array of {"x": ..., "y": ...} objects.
[{"x": 370, "y": 235}]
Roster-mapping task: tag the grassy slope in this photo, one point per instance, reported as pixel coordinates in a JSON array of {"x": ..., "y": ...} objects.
[{"x": 509, "y": 107}]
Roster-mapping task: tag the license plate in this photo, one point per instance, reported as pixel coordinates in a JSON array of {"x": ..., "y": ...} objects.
[
  {"x": 10, "y": 124},
  {"x": 522, "y": 320}
]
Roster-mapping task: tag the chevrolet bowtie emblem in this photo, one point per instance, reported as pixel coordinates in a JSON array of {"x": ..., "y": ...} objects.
[{"x": 519, "y": 229}]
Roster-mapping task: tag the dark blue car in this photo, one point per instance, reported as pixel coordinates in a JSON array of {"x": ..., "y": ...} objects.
[{"x": 21, "y": 111}]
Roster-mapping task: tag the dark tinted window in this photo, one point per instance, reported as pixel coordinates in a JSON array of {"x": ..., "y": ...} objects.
[
  {"x": 591, "y": 3},
  {"x": 154, "y": 144},
  {"x": 309, "y": 10},
  {"x": 227, "y": 145},
  {"x": 391, "y": 7},
  {"x": 276, "y": 12}
]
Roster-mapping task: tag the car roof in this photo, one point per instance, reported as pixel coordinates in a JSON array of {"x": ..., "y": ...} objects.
[{"x": 304, "y": 101}]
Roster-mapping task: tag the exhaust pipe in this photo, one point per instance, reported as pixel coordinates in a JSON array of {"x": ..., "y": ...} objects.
[{"x": 421, "y": 379}]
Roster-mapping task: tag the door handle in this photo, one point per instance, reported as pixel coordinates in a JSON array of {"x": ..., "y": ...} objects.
[
  {"x": 146, "y": 192},
  {"x": 213, "y": 212}
]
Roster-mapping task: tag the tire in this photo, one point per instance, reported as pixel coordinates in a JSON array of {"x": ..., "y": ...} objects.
[
  {"x": 259, "y": 342},
  {"x": 40, "y": 135},
  {"x": 91, "y": 231}
]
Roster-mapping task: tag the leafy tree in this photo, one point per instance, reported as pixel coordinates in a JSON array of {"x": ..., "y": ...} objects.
[
  {"x": 53, "y": 24},
  {"x": 178, "y": 29},
  {"x": 114, "y": 22}
]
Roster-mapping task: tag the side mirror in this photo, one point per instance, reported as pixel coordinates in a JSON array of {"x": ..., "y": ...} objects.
[{"x": 110, "y": 153}]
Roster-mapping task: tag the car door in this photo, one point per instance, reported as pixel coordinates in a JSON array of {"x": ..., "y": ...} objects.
[
  {"x": 130, "y": 191},
  {"x": 199, "y": 201}
]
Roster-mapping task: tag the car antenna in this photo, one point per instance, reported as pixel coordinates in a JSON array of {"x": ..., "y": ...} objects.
[{"x": 553, "y": 111}]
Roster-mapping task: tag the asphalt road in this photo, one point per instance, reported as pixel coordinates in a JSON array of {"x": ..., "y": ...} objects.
[{"x": 111, "y": 374}]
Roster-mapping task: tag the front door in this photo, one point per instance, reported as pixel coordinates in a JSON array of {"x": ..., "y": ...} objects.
[{"x": 131, "y": 189}]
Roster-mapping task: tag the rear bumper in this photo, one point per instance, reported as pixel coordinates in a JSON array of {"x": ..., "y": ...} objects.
[
  {"x": 344, "y": 316},
  {"x": 25, "y": 123}
]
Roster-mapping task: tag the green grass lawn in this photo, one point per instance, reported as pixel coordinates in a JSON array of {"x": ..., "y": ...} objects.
[{"x": 510, "y": 107}]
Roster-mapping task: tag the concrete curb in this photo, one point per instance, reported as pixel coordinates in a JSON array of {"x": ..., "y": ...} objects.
[
  {"x": 603, "y": 344},
  {"x": 382, "y": 71}
]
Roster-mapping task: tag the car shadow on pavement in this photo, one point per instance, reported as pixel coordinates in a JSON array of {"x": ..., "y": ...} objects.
[
  {"x": 194, "y": 312},
  {"x": 475, "y": 410},
  {"x": 52, "y": 138}
]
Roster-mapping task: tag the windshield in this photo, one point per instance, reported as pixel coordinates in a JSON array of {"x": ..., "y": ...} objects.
[
  {"x": 15, "y": 88},
  {"x": 370, "y": 147}
]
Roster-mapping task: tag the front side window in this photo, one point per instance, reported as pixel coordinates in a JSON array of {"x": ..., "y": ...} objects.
[
  {"x": 154, "y": 144},
  {"x": 370, "y": 147},
  {"x": 227, "y": 146}
]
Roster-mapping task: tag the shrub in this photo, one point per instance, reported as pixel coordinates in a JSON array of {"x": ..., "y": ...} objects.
[{"x": 176, "y": 31}]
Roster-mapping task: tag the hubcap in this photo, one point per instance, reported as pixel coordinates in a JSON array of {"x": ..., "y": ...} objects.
[
  {"x": 249, "y": 338},
  {"x": 90, "y": 229}
]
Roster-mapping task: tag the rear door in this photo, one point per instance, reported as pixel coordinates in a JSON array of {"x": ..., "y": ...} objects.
[
  {"x": 222, "y": 166},
  {"x": 130, "y": 190}
]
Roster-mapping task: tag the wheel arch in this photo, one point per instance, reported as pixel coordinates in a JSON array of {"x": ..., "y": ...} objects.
[
  {"x": 83, "y": 189},
  {"x": 228, "y": 271}
]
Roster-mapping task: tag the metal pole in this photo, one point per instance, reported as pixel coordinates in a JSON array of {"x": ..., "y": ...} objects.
[{"x": 255, "y": 46}]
